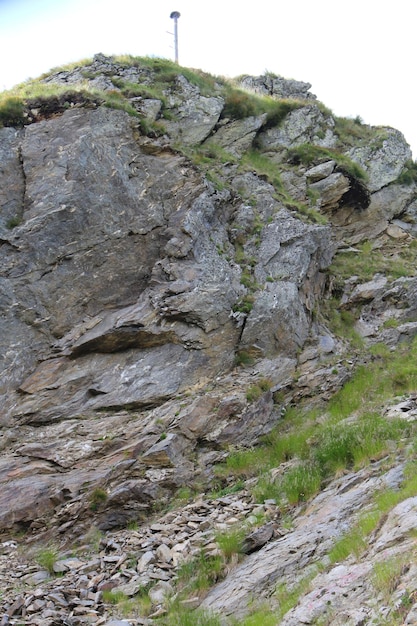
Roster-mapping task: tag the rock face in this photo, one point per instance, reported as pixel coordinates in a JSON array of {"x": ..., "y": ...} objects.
[{"x": 165, "y": 263}]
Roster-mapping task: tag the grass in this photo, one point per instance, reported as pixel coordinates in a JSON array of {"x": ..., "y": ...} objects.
[
  {"x": 255, "y": 391},
  {"x": 97, "y": 497},
  {"x": 181, "y": 616},
  {"x": 47, "y": 557},
  {"x": 365, "y": 261},
  {"x": 409, "y": 174},
  {"x": 386, "y": 575},
  {"x": 353, "y": 132},
  {"x": 230, "y": 542},
  {"x": 297, "y": 484},
  {"x": 240, "y": 104},
  {"x": 355, "y": 541},
  {"x": 198, "y": 574},
  {"x": 113, "y": 596},
  {"x": 321, "y": 446},
  {"x": 310, "y": 154},
  {"x": 254, "y": 160},
  {"x": 288, "y": 597},
  {"x": 263, "y": 616},
  {"x": 13, "y": 222}
]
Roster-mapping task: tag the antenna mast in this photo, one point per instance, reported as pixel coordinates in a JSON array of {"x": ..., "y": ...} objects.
[{"x": 175, "y": 15}]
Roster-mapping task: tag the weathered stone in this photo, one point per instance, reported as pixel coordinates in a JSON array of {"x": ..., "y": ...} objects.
[
  {"x": 277, "y": 86},
  {"x": 236, "y": 137},
  {"x": 160, "y": 592},
  {"x": 306, "y": 124},
  {"x": 163, "y": 553},
  {"x": 168, "y": 451},
  {"x": 383, "y": 160}
]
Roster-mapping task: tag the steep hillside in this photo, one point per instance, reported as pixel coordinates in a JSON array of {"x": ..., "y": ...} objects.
[{"x": 208, "y": 378}]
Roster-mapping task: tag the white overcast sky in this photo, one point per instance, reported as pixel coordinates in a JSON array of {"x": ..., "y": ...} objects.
[{"x": 358, "y": 55}]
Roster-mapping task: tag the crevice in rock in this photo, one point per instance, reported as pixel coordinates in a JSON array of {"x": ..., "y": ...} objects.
[
  {"x": 124, "y": 338},
  {"x": 358, "y": 196},
  {"x": 24, "y": 181}
]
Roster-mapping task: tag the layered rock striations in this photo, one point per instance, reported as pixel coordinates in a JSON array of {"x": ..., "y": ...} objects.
[{"x": 146, "y": 254}]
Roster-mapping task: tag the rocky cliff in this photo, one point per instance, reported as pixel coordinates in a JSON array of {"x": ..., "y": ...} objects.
[{"x": 185, "y": 263}]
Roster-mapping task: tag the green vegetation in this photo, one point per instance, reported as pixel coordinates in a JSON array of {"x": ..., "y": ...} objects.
[
  {"x": 365, "y": 261},
  {"x": 288, "y": 597},
  {"x": 243, "y": 357},
  {"x": 355, "y": 541},
  {"x": 310, "y": 154},
  {"x": 256, "y": 390},
  {"x": 13, "y": 222},
  {"x": 353, "y": 132},
  {"x": 139, "y": 605},
  {"x": 97, "y": 497},
  {"x": 409, "y": 174},
  {"x": 254, "y": 160},
  {"x": 47, "y": 557},
  {"x": 181, "y": 616},
  {"x": 262, "y": 616},
  {"x": 386, "y": 575},
  {"x": 198, "y": 574},
  {"x": 319, "y": 447},
  {"x": 12, "y": 111},
  {"x": 240, "y": 104},
  {"x": 230, "y": 542}
]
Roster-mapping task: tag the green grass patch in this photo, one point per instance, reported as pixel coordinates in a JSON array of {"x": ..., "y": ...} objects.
[
  {"x": 230, "y": 541},
  {"x": 179, "y": 615},
  {"x": 386, "y": 575},
  {"x": 97, "y": 497},
  {"x": 47, "y": 557},
  {"x": 263, "y": 616},
  {"x": 254, "y": 160},
  {"x": 355, "y": 541},
  {"x": 199, "y": 574},
  {"x": 310, "y": 154},
  {"x": 409, "y": 174},
  {"x": 365, "y": 261},
  {"x": 288, "y": 596}
]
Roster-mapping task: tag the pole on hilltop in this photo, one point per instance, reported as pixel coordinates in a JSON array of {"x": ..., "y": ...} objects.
[{"x": 175, "y": 15}]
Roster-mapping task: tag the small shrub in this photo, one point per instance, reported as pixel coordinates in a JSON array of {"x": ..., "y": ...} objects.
[
  {"x": 97, "y": 497},
  {"x": 244, "y": 305},
  {"x": 240, "y": 104},
  {"x": 13, "y": 222},
  {"x": 244, "y": 358},
  {"x": 199, "y": 574},
  {"x": 113, "y": 596},
  {"x": 47, "y": 557},
  {"x": 12, "y": 109},
  {"x": 230, "y": 542},
  {"x": 409, "y": 174}
]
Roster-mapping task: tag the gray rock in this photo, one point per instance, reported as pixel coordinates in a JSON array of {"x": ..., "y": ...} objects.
[
  {"x": 236, "y": 137},
  {"x": 277, "y": 86},
  {"x": 383, "y": 160},
  {"x": 304, "y": 125},
  {"x": 160, "y": 592}
]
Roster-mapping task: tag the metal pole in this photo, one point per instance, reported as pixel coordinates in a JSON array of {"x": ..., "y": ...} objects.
[{"x": 175, "y": 15}]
